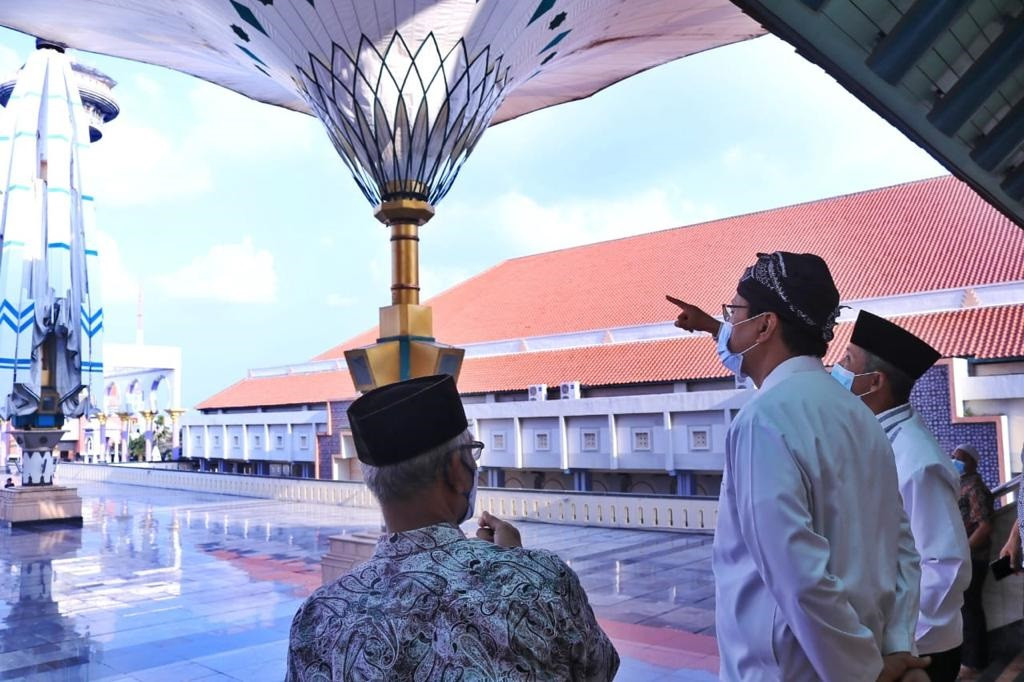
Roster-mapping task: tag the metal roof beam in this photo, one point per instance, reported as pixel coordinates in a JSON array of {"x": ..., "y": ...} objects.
[
  {"x": 993, "y": 67},
  {"x": 1002, "y": 140},
  {"x": 913, "y": 34},
  {"x": 1014, "y": 183}
]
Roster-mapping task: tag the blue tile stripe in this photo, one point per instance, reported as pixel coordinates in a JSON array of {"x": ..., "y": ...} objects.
[
  {"x": 92, "y": 324},
  {"x": 15, "y": 363},
  {"x": 18, "y": 320}
]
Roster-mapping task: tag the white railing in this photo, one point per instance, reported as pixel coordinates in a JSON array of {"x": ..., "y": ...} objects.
[
  {"x": 599, "y": 509},
  {"x": 653, "y": 512},
  {"x": 286, "y": 489}
]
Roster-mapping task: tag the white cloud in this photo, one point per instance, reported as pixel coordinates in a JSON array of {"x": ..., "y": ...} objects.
[
  {"x": 232, "y": 273},
  {"x": 10, "y": 62},
  {"x": 136, "y": 165},
  {"x": 340, "y": 301},
  {"x": 119, "y": 285},
  {"x": 435, "y": 279},
  {"x": 143, "y": 160},
  {"x": 230, "y": 125},
  {"x": 543, "y": 227}
]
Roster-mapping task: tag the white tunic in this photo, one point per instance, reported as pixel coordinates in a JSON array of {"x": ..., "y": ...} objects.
[
  {"x": 816, "y": 576},
  {"x": 931, "y": 488}
]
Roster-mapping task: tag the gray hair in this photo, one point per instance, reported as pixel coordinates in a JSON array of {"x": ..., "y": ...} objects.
[
  {"x": 403, "y": 480},
  {"x": 900, "y": 383}
]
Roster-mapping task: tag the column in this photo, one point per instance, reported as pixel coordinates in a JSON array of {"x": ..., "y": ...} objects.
[
  {"x": 104, "y": 453},
  {"x": 149, "y": 415},
  {"x": 614, "y": 439},
  {"x": 582, "y": 480},
  {"x": 175, "y": 414},
  {"x": 686, "y": 484},
  {"x": 3, "y": 446},
  {"x": 126, "y": 434},
  {"x": 495, "y": 478}
]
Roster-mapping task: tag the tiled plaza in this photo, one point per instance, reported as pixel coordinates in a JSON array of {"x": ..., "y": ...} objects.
[{"x": 172, "y": 585}]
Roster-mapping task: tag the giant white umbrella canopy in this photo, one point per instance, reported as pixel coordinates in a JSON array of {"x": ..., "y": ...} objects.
[{"x": 404, "y": 88}]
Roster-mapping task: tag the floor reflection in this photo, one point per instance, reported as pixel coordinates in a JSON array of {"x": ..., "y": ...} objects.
[{"x": 169, "y": 585}]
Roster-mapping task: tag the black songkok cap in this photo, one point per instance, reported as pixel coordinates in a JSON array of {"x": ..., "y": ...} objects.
[
  {"x": 894, "y": 344},
  {"x": 796, "y": 286},
  {"x": 396, "y": 422}
]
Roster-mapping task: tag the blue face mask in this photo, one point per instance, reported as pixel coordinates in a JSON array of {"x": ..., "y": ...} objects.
[
  {"x": 732, "y": 361},
  {"x": 471, "y": 495},
  {"x": 845, "y": 378},
  {"x": 960, "y": 467}
]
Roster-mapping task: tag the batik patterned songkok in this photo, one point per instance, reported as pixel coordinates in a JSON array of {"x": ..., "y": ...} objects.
[
  {"x": 795, "y": 286},
  {"x": 433, "y": 605}
]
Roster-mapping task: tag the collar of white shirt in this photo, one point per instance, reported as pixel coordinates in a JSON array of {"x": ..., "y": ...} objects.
[
  {"x": 787, "y": 368},
  {"x": 895, "y": 416}
]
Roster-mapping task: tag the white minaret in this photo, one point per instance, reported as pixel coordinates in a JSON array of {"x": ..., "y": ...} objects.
[{"x": 51, "y": 314}]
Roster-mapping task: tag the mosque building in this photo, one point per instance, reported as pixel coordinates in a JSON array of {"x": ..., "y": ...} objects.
[{"x": 576, "y": 379}]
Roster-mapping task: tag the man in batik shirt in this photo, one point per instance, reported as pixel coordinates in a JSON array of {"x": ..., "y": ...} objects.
[{"x": 432, "y": 604}]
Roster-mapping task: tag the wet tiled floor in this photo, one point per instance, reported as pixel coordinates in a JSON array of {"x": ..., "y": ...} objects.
[{"x": 174, "y": 585}]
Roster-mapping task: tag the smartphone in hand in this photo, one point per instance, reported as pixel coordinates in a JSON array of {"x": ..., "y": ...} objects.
[{"x": 1001, "y": 568}]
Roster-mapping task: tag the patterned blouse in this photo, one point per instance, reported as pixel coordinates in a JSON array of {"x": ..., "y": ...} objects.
[
  {"x": 431, "y": 604},
  {"x": 975, "y": 507}
]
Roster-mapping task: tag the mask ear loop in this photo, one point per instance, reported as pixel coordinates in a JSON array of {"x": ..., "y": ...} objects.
[
  {"x": 861, "y": 395},
  {"x": 749, "y": 319},
  {"x": 447, "y": 471}
]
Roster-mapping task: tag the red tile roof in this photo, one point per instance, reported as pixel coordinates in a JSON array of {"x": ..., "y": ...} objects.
[
  {"x": 920, "y": 236},
  {"x": 996, "y": 332},
  {"x": 287, "y": 389}
]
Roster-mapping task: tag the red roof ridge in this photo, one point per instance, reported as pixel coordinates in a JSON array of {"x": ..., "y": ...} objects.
[{"x": 714, "y": 221}]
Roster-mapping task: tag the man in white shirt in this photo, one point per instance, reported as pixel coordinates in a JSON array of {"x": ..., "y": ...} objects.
[
  {"x": 815, "y": 569},
  {"x": 881, "y": 365}
]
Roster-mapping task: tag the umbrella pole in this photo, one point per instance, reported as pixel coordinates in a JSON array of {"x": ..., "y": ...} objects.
[{"x": 406, "y": 348}]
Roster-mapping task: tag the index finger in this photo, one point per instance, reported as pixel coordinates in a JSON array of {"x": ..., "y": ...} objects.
[
  {"x": 492, "y": 520},
  {"x": 676, "y": 301}
]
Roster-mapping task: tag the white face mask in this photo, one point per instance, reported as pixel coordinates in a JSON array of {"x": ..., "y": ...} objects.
[
  {"x": 732, "y": 361},
  {"x": 471, "y": 495}
]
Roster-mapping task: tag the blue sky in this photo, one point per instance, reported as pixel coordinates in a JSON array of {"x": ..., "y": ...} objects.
[{"x": 253, "y": 246}]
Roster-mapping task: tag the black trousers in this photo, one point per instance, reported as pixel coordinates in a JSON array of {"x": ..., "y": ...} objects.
[
  {"x": 945, "y": 666},
  {"x": 975, "y": 648}
]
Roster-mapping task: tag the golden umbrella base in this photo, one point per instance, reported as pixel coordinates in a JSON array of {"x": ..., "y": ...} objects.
[{"x": 399, "y": 358}]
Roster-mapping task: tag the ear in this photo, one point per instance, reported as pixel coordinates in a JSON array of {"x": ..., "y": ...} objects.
[
  {"x": 768, "y": 325},
  {"x": 456, "y": 474}
]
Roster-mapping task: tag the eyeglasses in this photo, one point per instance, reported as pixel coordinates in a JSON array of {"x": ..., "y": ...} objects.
[
  {"x": 475, "y": 447},
  {"x": 727, "y": 310}
]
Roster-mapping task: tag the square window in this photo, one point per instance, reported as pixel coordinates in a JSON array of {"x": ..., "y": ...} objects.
[
  {"x": 590, "y": 441},
  {"x": 234, "y": 441},
  {"x": 216, "y": 441},
  {"x": 303, "y": 442},
  {"x": 542, "y": 440},
  {"x": 199, "y": 439},
  {"x": 641, "y": 440},
  {"x": 258, "y": 441},
  {"x": 700, "y": 439},
  {"x": 497, "y": 441},
  {"x": 280, "y": 442}
]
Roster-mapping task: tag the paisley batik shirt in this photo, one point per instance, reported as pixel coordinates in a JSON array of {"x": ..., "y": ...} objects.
[{"x": 432, "y": 604}]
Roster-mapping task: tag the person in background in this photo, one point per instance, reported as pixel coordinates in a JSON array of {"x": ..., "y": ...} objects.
[
  {"x": 976, "y": 509},
  {"x": 9, "y": 483},
  {"x": 816, "y": 577},
  {"x": 881, "y": 365}
]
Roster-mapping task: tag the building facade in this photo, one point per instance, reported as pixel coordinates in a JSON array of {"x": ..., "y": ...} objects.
[{"x": 576, "y": 379}]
